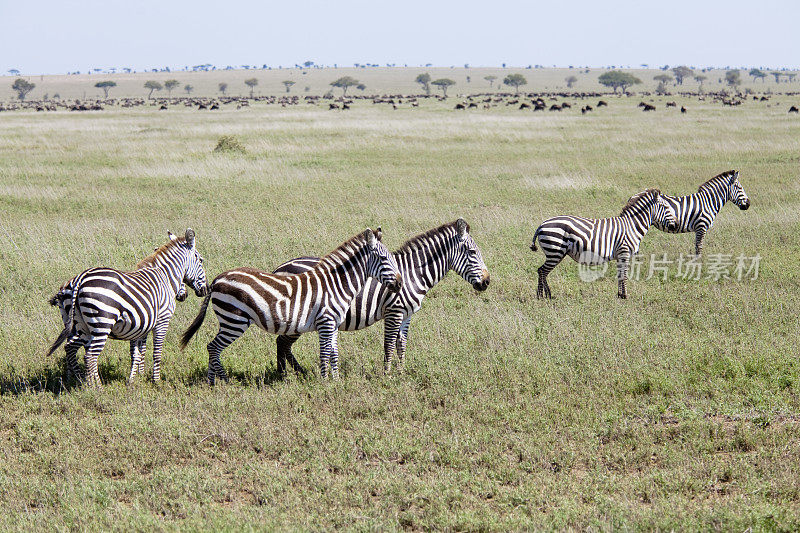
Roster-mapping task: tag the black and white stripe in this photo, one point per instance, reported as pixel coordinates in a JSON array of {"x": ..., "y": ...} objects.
[
  {"x": 107, "y": 303},
  {"x": 696, "y": 212},
  {"x": 316, "y": 300},
  {"x": 593, "y": 241},
  {"x": 423, "y": 262}
]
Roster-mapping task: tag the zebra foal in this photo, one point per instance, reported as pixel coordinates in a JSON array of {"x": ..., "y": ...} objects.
[
  {"x": 316, "y": 300},
  {"x": 696, "y": 212},
  {"x": 423, "y": 261},
  {"x": 107, "y": 303},
  {"x": 593, "y": 241}
]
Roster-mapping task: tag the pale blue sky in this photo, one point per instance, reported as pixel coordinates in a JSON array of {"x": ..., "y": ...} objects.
[{"x": 59, "y": 36}]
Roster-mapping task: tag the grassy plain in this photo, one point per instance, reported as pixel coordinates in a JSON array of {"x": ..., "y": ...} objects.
[{"x": 677, "y": 408}]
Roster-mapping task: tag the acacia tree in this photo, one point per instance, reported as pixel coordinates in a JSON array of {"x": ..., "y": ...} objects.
[
  {"x": 105, "y": 85},
  {"x": 663, "y": 78},
  {"x": 490, "y": 79},
  {"x": 188, "y": 88},
  {"x": 732, "y": 78},
  {"x": 288, "y": 84},
  {"x": 777, "y": 75},
  {"x": 515, "y": 80},
  {"x": 344, "y": 83},
  {"x": 361, "y": 87},
  {"x": 757, "y": 73},
  {"x": 223, "y": 88},
  {"x": 443, "y": 84},
  {"x": 700, "y": 78},
  {"x": 618, "y": 80},
  {"x": 22, "y": 87},
  {"x": 169, "y": 85},
  {"x": 251, "y": 82},
  {"x": 153, "y": 86},
  {"x": 681, "y": 72},
  {"x": 791, "y": 76},
  {"x": 425, "y": 81},
  {"x": 570, "y": 81}
]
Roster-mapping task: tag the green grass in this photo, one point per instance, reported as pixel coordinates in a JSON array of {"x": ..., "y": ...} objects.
[{"x": 677, "y": 408}]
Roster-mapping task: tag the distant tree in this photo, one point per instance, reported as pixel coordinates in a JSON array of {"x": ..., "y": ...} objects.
[
  {"x": 791, "y": 76},
  {"x": 344, "y": 83},
  {"x": 288, "y": 83},
  {"x": 777, "y": 75},
  {"x": 681, "y": 72},
  {"x": 515, "y": 80},
  {"x": 22, "y": 87},
  {"x": 13, "y": 72},
  {"x": 425, "y": 81},
  {"x": 223, "y": 88},
  {"x": 618, "y": 80},
  {"x": 169, "y": 85},
  {"x": 490, "y": 79},
  {"x": 757, "y": 73},
  {"x": 105, "y": 85},
  {"x": 308, "y": 64},
  {"x": 700, "y": 78},
  {"x": 188, "y": 88},
  {"x": 153, "y": 86},
  {"x": 663, "y": 78},
  {"x": 732, "y": 78},
  {"x": 443, "y": 84},
  {"x": 361, "y": 86},
  {"x": 251, "y": 82},
  {"x": 570, "y": 81}
]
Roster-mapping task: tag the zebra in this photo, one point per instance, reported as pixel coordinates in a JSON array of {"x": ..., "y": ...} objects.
[
  {"x": 107, "y": 303},
  {"x": 595, "y": 241},
  {"x": 423, "y": 261},
  {"x": 696, "y": 212},
  {"x": 316, "y": 300},
  {"x": 63, "y": 300}
]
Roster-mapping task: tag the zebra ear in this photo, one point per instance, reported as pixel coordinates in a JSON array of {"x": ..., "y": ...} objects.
[
  {"x": 370, "y": 237},
  {"x": 171, "y": 236},
  {"x": 462, "y": 227},
  {"x": 379, "y": 234},
  {"x": 190, "y": 237},
  {"x": 734, "y": 176}
]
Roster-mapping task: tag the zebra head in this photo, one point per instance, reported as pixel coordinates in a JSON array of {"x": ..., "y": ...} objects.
[
  {"x": 195, "y": 274},
  {"x": 736, "y": 192},
  {"x": 664, "y": 215},
  {"x": 381, "y": 264},
  {"x": 467, "y": 259}
]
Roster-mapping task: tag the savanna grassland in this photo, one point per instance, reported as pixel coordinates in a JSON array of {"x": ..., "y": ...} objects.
[{"x": 677, "y": 408}]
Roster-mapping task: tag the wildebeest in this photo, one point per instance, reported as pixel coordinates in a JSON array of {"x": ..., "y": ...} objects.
[
  {"x": 648, "y": 107},
  {"x": 793, "y": 109},
  {"x": 683, "y": 109},
  {"x": 460, "y": 106},
  {"x": 601, "y": 103},
  {"x": 523, "y": 105}
]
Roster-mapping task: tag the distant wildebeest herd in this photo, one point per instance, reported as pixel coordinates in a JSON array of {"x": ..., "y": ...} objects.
[{"x": 354, "y": 286}]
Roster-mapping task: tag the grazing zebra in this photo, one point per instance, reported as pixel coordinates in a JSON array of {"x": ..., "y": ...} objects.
[
  {"x": 697, "y": 211},
  {"x": 316, "y": 300},
  {"x": 592, "y": 241},
  {"x": 63, "y": 300},
  {"x": 107, "y": 303},
  {"x": 423, "y": 261}
]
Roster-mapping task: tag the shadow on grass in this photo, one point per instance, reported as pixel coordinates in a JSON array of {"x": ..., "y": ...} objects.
[
  {"x": 54, "y": 380},
  {"x": 266, "y": 378}
]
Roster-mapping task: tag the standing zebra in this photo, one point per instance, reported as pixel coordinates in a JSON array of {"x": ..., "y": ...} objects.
[
  {"x": 107, "y": 303},
  {"x": 592, "y": 241},
  {"x": 63, "y": 300},
  {"x": 423, "y": 261},
  {"x": 316, "y": 300},
  {"x": 696, "y": 212}
]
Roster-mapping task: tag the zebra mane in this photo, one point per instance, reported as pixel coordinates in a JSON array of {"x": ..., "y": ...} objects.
[
  {"x": 150, "y": 260},
  {"x": 636, "y": 200},
  {"x": 347, "y": 248},
  {"x": 726, "y": 174},
  {"x": 412, "y": 243}
]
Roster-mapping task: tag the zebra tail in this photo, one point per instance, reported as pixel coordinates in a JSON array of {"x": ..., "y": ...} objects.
[
  {"x": 198, "y": 321},
  {"x": 65, "y": 332},
  {"x": 535, "y": 236}
]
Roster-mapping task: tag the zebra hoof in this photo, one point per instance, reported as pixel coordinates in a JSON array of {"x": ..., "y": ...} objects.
[{"x": 622, "y": 296}]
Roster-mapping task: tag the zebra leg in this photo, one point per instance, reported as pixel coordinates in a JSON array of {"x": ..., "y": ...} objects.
[
  {"x": 96, "y": 344},
  {"x": 135, "y": 357},
  {"x": 159, "y": 333},
  {"x": 402, "y": 339},
  {"x": 700, "y": 233},
  {"x": 622, "y": 274},
  {"x": 327, "y": 347},
  {"x": 543, "y": 290},
  {"x": 228, "y": 332},
  {"x": 285, "y": 343},
  {"x": 391, "y": 330},
  {"x": 74, "y": 344},
  {"x": 142, "y": 344}
]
